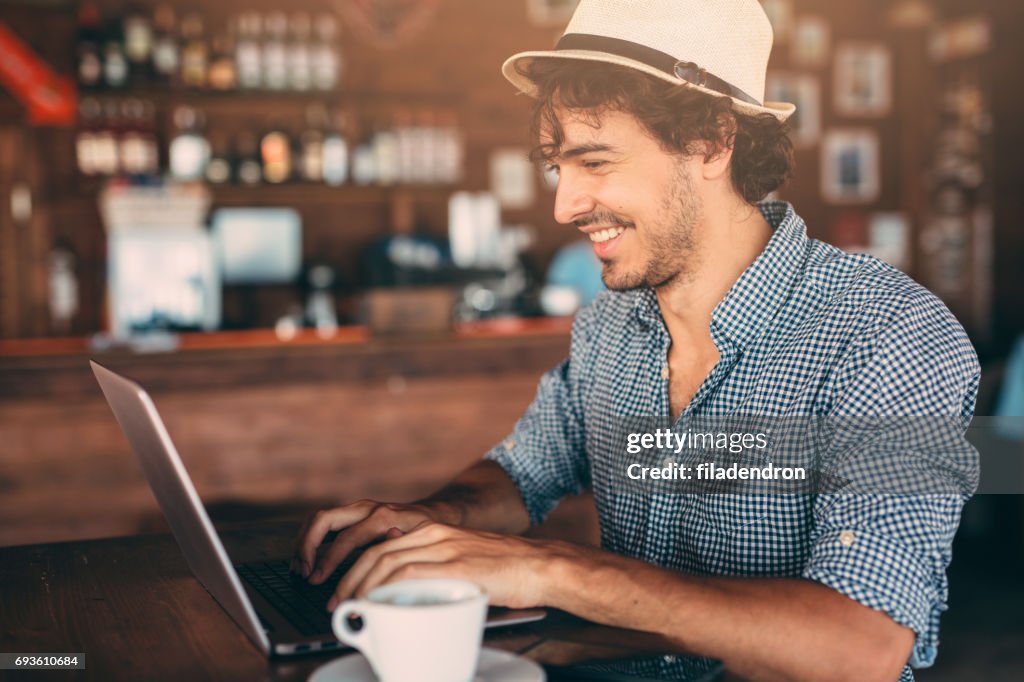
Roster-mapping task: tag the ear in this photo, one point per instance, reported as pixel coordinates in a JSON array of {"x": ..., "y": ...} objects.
[{"x": 718, "y": 155}]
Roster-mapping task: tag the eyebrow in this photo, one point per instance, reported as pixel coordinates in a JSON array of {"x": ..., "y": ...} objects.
[{"x": 586, "y": 149}]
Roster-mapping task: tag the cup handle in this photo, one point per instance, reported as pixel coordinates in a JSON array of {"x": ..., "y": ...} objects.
[{"x": 340, "y": 623}]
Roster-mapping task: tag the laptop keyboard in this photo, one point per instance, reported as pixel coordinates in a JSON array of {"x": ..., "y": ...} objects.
[{"x": 304, "y": 605}]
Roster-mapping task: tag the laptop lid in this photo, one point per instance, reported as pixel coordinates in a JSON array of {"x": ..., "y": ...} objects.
[{"x": 174, "y": 492}]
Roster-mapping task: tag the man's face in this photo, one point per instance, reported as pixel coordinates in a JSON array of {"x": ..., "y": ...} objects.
[{"x": 636, "y": 202}]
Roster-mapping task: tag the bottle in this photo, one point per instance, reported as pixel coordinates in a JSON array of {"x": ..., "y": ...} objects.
[
  {"x": 424, "y": 142},
  {"x": 299, "y": 66},
  {"x": 189, "y": 151},
  {"x": 325, "y": 55},
  {"x": 247, "y": 51},
  {"x": 150, "y": 144},
  {"x": 320, "y": 307},
  {"x": 105, "y": 151},
  {"x": 364, "y": 162},
  {"x": 248, "y": 170},
  {"x": 311, "y": 144},
  {"x": 90, "y": 37},
  {"x": 88, "y": 122},
  {"x": 63, "y": 286},
  {"x": 166, "y": 53},
  {"x": 115, "y": 65},
  {"x": 194, "y": 53},
  {"x": 449, "y": 148},
  {"x": 386, "y": 156},
  {"x": 132, "y": 146},
  {"x": 222, "y": 74},
  {"x": 405, "y": 134},
  {"x": 276, "y": 155},
  {"x": 218, "y": 170},
  {"x": 274, "y": 53},
  {"x": 336, "y": 153},
  {"x": 138, "y": 44}
]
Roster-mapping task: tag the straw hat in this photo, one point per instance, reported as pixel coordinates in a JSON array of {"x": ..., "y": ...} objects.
[{"x": 719, "y": 47}]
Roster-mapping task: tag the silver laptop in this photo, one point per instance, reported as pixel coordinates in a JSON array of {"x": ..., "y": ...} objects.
[{"x": 280, "y": 612}]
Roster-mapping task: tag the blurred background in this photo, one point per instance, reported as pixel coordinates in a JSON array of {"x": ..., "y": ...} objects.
[{"x": 312, "y": 231}]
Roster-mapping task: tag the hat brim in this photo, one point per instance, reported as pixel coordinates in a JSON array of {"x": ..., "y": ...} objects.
[{"x": 780, "y": 110}]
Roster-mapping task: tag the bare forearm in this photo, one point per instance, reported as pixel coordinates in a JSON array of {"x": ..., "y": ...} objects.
[
  {"x": 482, "y": 497},
  {"x": 763, "y": 629}
]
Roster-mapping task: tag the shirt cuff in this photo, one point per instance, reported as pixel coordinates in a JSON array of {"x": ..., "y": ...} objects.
[
  {"x": 537, "y": 506},
  {"x": 882, "y": 574}
]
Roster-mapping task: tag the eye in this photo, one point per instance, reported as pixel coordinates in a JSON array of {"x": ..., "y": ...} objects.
[{"x": 593, "y": 165}]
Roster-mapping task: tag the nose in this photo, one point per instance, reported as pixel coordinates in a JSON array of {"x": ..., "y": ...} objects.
[{"x": 573, "y": 199}]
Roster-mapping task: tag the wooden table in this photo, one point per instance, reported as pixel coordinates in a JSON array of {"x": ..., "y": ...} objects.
[{"x": 133, "y": 607}]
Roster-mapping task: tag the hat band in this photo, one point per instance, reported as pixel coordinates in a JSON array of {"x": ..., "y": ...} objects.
[{"x": 683, "y": 70}]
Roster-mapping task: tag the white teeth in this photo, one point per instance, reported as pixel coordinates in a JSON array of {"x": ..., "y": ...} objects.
[{"x": 606, "y": 235}]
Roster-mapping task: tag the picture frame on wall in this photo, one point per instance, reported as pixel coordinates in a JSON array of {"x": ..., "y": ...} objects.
[
  {"x": 863, "y": 79},
  {"x": 850, "y": 166},
  {"x": 550, "y": 13},
  {"x": 805, "y": 92},
  {"x": 889, "y": 238},
  {"x": 812, "y": 39}
]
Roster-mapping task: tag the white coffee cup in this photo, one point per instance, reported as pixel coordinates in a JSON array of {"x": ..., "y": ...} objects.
[{"x": 417, "y": 630}]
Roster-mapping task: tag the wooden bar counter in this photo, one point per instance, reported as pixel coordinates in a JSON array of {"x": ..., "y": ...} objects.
[
  {"x": 137, "y": 613},
  {"x": 265, "y": 427}
]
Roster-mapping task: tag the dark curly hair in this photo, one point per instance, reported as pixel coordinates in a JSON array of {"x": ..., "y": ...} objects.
[{"x": 682, "y": 119}]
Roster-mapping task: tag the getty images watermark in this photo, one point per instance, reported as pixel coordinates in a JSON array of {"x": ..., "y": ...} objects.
[
  {"x": 735, "y": 443},
  {"x": 789, "y": 455}
]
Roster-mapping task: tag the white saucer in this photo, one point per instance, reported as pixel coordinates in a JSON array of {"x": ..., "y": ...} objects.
[{"x": 494, "y": 666}]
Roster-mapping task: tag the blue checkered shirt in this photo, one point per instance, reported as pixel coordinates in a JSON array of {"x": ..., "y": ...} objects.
[{"x": 807, "y": 330}]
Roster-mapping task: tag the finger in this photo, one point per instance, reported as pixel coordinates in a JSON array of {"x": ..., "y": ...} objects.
[
  {"x": 362, "y": 533},
  {"x": 425, "y": 535},
  {"x": 393, "y": 564},
  {"x": 375, "y": 526},
  {"x": 325, "y": 521}
]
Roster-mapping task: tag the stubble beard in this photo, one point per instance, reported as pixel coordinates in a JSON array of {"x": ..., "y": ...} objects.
[{"x": 671, "y": 246}]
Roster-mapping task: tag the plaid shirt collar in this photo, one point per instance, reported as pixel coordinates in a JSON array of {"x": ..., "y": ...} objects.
[{"x": 761, "y": 290}]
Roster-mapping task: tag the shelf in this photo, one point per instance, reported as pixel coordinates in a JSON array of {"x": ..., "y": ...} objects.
[
  {"x": 246, "y": 98},
  {"x": 292, "y": 193},
  {"x": 314, "y": 193}
]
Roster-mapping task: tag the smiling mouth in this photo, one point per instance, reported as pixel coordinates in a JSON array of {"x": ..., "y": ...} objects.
[{"x": 606, "y": 235}]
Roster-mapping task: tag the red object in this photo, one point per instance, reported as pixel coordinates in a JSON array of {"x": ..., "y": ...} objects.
[
  {"x": 49, "y": 97},
  {"x": 850, "y": 231}
]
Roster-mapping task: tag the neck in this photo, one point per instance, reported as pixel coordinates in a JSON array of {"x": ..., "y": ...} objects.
[{"x": 731, "y": 237}]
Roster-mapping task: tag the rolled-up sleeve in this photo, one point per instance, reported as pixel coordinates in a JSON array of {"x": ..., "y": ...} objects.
[
  {"x": 545, "y": 455},
  {"x": 885, "y": 538},
  {"x": 889, "y": 554}
]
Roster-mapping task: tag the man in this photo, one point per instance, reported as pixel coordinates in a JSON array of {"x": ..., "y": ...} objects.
[{"x": 652, "y": 114}]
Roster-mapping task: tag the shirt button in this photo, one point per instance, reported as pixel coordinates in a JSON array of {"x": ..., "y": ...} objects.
[
  {"x": 846, "y": 538},
  {"x": 669, "y": 658},
  {"x": 509, "y": 444},
  {"x": 664, "y": 372}
]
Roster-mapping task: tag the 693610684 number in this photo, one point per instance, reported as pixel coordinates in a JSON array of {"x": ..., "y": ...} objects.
[{"x": 42, "y": 661}]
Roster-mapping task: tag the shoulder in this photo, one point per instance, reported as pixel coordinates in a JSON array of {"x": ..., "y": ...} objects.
[
  {"x": 880, "y": 298},
  {"x": 899, "y": 334}
]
